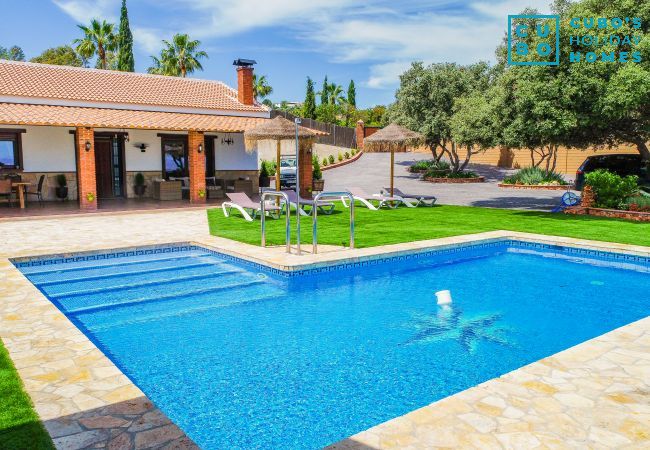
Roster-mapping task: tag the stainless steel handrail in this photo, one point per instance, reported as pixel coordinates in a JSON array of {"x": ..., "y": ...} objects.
[
  {"x": 315, "y": 216},
  {"x": 287, "y": 211}
]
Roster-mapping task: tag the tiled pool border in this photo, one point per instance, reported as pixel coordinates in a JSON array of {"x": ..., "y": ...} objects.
[{"x": 266, "y": 259}]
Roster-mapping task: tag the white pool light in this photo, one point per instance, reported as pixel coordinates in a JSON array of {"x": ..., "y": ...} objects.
[{"x": 443, "y": 297}]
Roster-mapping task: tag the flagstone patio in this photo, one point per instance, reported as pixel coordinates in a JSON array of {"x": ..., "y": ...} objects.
[{"x": 594, "y": 395}]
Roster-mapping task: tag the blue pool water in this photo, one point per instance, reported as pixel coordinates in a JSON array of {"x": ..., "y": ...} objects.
[{"x": 243, "y": 357}]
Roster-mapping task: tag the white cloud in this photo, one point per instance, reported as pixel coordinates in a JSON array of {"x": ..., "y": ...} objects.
[
  {"x": 386, "y": 35},
  {"x": 148, "y": 38},
  {"x": 84, "y": 10}
]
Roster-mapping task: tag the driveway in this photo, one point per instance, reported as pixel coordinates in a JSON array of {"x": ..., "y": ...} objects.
[{"x": 372, "y": 171}]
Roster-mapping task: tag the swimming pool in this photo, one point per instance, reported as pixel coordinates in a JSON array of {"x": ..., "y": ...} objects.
[{"x": 242, "y": 356}]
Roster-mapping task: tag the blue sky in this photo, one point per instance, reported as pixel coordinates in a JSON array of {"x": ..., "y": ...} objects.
[{"x": 370, "y": 41}]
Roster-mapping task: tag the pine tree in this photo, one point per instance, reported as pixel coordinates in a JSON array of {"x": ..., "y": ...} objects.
[
  {"x": 309, "y": 107},
  {"x": 352, "y": 94},
  {"x": 325, "y": 92},
  {"x": 125, "y": 61}
]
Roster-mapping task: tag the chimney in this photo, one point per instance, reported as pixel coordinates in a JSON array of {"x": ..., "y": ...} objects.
[{"x": 245, "y": 80}]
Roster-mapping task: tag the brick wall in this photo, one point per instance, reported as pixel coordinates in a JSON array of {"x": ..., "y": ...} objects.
[
  {"x": 87, "y": 184},
  {"x": 196, "y": 162},
  {"x": 245, "y": 85}
]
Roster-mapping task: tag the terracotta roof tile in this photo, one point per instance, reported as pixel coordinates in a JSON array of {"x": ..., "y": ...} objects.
[
  {"x": 72, "y": 116},
  {"x": 94, "y": 85}
]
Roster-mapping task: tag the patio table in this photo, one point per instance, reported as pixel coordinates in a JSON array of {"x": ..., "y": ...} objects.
[{"x": 21, "y": 186}]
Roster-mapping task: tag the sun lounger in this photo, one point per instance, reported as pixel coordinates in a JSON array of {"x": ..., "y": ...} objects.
[
  {"x": 382, "y": 200},
  {"x": 323, "y": 206},
  {"x": 242, "y": 202},
  {"x": 412, "y": 200}
]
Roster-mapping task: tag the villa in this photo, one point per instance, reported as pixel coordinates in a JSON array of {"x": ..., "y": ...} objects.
[{"x": 100, "y": 128}]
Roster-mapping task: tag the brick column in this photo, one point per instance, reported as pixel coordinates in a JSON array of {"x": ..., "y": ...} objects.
[
  {"x": 306, "y": 170},
  {"x": 245, "y": 85},
  {"x": 196, "y": 161},
  {"x": 86, "y": 174},
  {"x": 588, "y": 197},
  {"x": 360, "y": 134}
]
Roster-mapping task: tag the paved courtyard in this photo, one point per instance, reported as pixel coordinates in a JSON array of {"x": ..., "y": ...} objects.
[{"x": 372, "y": 172}]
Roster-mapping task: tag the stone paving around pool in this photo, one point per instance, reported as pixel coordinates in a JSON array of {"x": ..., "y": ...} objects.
[{"x": 594, "y": 395}]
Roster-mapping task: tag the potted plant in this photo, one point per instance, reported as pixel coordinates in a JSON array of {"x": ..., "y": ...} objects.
[
  {"x": 317, "y": 183},
  {"x": 139, "y": 186},
  {"x": 265, "y": 179},
  {"x": 62, "y": 187}
]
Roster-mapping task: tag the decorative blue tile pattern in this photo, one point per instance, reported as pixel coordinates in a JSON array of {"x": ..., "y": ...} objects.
[{"x": 469, "y": 250}]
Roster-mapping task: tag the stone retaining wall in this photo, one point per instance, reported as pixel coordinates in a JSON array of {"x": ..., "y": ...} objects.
[
  {"x": 611, "y": 213},
  {"x": 548, "y": 187},
  {"x": 455, "y": 180}
]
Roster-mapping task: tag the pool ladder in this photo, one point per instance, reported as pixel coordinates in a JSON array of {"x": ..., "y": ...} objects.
[{"x": 287, "y": 206}]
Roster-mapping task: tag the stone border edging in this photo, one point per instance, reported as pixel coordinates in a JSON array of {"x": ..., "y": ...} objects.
[
  {"x": 342, "y": 163},
  {"x": 454, "y": 180},
  {"x": 637, "y": 216},
  {"x": 548, "y": 187}
]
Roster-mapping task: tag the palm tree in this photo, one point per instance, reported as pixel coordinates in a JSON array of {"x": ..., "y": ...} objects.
[
  {"x": 98, "y": 39},
  {"x": 178, "y": 57},
  {"x": 260, "y": 87},
  {"x": 336, "y": 94}
]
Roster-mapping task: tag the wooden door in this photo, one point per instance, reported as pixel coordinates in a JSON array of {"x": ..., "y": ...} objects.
[{"x": 104, "y": 168}]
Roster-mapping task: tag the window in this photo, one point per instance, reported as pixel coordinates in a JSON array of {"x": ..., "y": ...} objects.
[
  {"x": 174, "y": 152},
  {"x": 10, "y": 150}
]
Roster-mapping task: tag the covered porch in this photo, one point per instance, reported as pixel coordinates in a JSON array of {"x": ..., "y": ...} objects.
[{"x": 104, "y": 154}]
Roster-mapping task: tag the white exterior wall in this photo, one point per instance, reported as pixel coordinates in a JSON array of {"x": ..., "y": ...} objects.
[
  {"x": 51, "y": 149},
  {"x": 47, "y": 149},
  {"x": 235, "y": 156}
]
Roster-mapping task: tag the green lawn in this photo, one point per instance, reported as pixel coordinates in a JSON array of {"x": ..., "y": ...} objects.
[
  {"x": 413, "y": 224},
  {"x": 20, "y": 427}
]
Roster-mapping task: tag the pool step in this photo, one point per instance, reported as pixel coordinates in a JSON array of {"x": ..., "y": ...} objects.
[
  {"x": 175, "y": 307},
  {"x": 111, "y": 262},
  {"x": 117, "y": 273},
  {"x": 142, "y": 300},
  {"x": 136, "y": 282}
]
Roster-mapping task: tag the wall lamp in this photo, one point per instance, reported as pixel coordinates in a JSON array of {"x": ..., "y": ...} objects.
[
  {"x": 88, "y": 146},
  {"x": 200, "y": 148},
  {"x": 142, "y": 146}
]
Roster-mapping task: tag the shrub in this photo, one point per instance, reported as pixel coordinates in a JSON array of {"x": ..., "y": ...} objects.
[
  {"x": 316, "y": 172},
  {"x": 264, "y": 170},
  {"x": 331, "y": 159},
  {"x": 340, "y": 157},
  {"x": 346, "y": 155},
  {"x": 139, "y": 179},
  {"x": 422, "y": 165},
  {"x": 535, "y": 176},
  {"x": 61, "y": 180},
  {"x": 439, "y": 169},
  {"x": 353, "y": 151},
  {"x": 611, "y": 190},
  {"x": 325, "y": 161},
  {"x": 638, "y": 203}
]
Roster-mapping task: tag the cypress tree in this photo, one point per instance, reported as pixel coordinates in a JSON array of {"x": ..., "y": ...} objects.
[
  {"x": 325, "y": 92},
  {"x": 309, "y": 108},
  {"x": 352, "y": 94},
  {"x": 125, "y": 61}
]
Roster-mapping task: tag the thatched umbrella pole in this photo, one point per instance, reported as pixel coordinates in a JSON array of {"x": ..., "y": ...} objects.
[{"x": 391, "y": 138}]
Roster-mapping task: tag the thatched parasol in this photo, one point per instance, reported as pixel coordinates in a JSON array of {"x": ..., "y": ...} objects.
[
  {"x": 391, "y": 139},
  {"x": 277, "y": 129}
]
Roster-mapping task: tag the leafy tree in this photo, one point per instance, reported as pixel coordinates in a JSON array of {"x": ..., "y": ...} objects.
[
  {"x": 352, "y": 94},
  {"x": 267, "y": 102},
  {"x": 328, "y": 113},
  {"x": 98, "y": 39},
  {"x": 426, "y": 97},
  {"x": 309, "y": 107},
  {"x": 260, "y": 86},
  {"x": 14, "y": 53},
  {"x": 125, "y": 61},
  {"x": 63, "y": 55},
  {"x": 324, "y": 92},
  {"x": 111, "y": 61},
  {"x": 178, "y": 57},
  {"x": 335, "y": 95}
]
